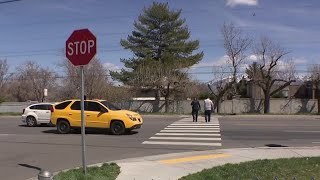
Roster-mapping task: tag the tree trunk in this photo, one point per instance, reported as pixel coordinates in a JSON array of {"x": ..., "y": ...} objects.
[
  {"x": 266, "y": 103},
  {"x": 156, "y": 103},
  {"x": 167, "y": 104},
  {"x": 316, "y": 94},
  {"x": 218, "y": 104},
  {"x": 167, "y": 95},
  {"x": 318, "y": 105}
]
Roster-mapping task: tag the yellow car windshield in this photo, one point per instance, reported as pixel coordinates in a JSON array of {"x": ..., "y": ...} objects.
[{"x": 110, "y": 106}]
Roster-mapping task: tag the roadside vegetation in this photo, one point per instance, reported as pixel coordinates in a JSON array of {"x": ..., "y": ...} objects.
[
  {"x": 10, "y": 114},
  {"x": 293, "y": 168},
  {"x": 106, "y": 172}
]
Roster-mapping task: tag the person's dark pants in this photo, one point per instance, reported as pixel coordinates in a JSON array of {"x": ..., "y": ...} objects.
[
  {"x": 195, "y": 115},
  {"x": 207, "y": 115}
]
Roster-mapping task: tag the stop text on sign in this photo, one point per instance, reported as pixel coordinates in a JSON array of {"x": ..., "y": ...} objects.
[{"x": 80, "y": 47}]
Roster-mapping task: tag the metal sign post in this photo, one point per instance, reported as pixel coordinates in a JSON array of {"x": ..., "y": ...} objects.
[
  {"x": 81, "y": 47},
  {"x": 83, "y": 124}
]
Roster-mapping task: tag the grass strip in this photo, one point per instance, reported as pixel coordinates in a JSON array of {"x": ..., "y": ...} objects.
[
  {"x": 293, "y": 168},
  {"x": 10, "y": 114},
  {"x": 105, "y": 172}
]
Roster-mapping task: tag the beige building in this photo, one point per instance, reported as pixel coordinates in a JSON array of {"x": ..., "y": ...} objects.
[{"x": 298, "y": 90}]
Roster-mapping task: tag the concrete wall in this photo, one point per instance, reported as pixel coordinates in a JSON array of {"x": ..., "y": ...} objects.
[
  {"x": 147, "y": 106},
  {"x": 235, "y": 106},
  {"x": 278, "y": 106},
  {"x": 289, "y": 106},
  {"x": 13, "y": 106}
]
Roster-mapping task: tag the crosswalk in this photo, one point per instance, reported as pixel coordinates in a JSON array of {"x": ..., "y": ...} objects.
[{"x": 187, "y": 133}]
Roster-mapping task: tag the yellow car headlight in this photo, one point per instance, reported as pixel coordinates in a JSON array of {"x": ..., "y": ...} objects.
[{"x": 130, "y": 116}]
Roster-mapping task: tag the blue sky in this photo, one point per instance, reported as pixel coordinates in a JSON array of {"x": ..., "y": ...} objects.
[{"x": 37, "y": 29}]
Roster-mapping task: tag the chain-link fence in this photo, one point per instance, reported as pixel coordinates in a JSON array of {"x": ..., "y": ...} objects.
[{"x": 234, "y": 106}]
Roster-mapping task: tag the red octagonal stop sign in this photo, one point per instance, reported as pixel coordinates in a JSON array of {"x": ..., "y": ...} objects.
[{"x": 81, "y": 47}]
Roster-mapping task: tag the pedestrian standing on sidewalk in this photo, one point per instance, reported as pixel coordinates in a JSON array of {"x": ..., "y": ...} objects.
[
  {"x": 195, "y": 109},
  {"x": 208, "y": 108}
]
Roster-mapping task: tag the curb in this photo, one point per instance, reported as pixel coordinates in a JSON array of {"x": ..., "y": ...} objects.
[{"x": 145, "y": 158}]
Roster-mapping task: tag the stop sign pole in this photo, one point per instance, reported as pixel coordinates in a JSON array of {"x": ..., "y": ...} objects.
[
  {"x": 83, "y": 124},
  {"x": 81, "y": 47}
]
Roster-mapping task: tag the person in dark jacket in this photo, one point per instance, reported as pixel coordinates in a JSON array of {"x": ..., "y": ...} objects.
[{"x": 195, "y": 109}]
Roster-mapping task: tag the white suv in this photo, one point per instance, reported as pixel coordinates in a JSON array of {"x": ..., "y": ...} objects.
[{"x": 37, "y": 114}]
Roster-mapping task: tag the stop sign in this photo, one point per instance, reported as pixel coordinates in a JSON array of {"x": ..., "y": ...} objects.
[{"x": 81, "y": 47}]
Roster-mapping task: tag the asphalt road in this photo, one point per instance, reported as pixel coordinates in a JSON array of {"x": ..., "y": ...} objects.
[
  {"x": 24, "y": 150},
  {"x": 260, "y": 131}
]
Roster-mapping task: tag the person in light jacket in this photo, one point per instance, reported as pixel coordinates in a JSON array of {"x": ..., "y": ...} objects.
[{"x": 208, "y": 108}]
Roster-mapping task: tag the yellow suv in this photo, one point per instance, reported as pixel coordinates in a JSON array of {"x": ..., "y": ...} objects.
[{"x": 98, "y": 114}]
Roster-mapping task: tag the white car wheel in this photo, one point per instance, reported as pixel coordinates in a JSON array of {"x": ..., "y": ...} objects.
[{"x": 31, "y": 121}]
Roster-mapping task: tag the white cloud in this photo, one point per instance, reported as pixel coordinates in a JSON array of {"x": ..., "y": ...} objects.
[
  {"x": 216, "y": 62},
  {"x": 299, "y": 61},
  {"x": 224, "y": 61},
  {"x": 252, "y": 57},
  {"x": 233, "y": 3},
  {"x": 111, "y": 67}
]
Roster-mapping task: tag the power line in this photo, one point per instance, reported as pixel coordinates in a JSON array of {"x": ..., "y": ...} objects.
[
  {"x": 90, "y": 19},
  {"x": 9, "y": 1},
  {"x": 190, "y": 73},
  {"x": 4, "y": 54},
  {"x": 44, "y": 53}
]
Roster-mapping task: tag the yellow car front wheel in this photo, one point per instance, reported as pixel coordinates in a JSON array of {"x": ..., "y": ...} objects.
[{"x": 117, "y": 128}]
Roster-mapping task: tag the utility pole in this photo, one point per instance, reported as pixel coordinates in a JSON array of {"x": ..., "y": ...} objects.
[
  {"x": 254, "y": 80},
  {"x": 253, "y": 93},
  {"x": 317, "y": 92},
  {"x": 45, "y": 94}
]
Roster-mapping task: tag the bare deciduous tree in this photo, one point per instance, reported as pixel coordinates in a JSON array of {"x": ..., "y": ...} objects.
[
  {"x": 170, "y": 80},
  {"x": 30, "y": 81},
  {"x": 222, "y": 82},
  {"x": 96, "y": 80},
  {"x": 236, "y": 45},
  {"x": 118, "y": 94},
  {"x": 269, "y": 75},
  {"x": 195, "y": 89},
  {"x": 3, "y": 77}
]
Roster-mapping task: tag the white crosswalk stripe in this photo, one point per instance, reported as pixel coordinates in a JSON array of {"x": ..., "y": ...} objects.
[
  {"x": 215, "y": 126},
  {"x": 194, "y": 124},
  {"x": 190, "y": 130},
  {"x": 187, "y": 133},
  {"x": 182, "y": 143},
  {"x": 188, "y": 138}
]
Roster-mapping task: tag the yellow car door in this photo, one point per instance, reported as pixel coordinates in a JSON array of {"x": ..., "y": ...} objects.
[
  {"x": 75, "y": 114},
  {"x": 96, "y": 115}
]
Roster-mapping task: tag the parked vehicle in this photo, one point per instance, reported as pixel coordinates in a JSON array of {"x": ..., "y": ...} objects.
[
  {"x": 98, "y": 114},
  {"x": 36, "y": 114}
]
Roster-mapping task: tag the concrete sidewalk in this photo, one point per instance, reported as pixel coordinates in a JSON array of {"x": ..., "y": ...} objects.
[{"x": 174, "y": 166}]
